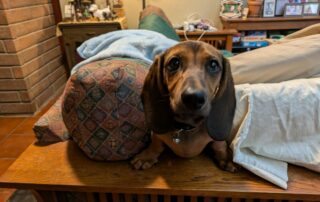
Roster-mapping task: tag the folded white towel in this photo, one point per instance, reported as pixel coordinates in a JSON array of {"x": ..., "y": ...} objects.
[{"x": 277, "y": 124}]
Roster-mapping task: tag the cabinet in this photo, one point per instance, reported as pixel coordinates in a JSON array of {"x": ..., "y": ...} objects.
[{"x": 75, "y": 33}]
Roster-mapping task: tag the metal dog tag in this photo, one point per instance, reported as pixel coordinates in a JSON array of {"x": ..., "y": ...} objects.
[
  {"x": 176, "y": 136},
  {"x": 176, "y": 140}
]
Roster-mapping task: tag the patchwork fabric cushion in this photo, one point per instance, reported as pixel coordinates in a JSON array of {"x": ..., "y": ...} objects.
[
  {"x": 103, "y": 111},
  {"x": 50, "y": 127}
]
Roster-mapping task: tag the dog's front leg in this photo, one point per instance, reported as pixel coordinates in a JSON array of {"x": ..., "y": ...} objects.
[
  {"x": 148, "y": 157},
  {"x": 223, "y": 156}
]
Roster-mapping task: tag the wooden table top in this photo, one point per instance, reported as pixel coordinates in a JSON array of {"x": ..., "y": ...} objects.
[
  {"x": 92, "y": 22},
  {"x": 223, "y": 32},
  {"x": 273, "y": 19},
  {"x": 63, "y": 167}
]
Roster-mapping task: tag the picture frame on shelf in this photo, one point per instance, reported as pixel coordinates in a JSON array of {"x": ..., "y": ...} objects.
[
  {"x": 297, "y": 1},
  {"x": 280, "y": 5},
  {"x": 293, "y": 10},
  {"x": 312, "y": 1},
  {"x": 269, "y": 8},
  {"x": 311, "y": 9},
  {"x": 231, "y": 8}
]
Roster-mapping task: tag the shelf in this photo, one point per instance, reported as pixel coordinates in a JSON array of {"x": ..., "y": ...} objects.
[
  {"x": 276, "y": 23},
  {"x": 225, "y": 35}
]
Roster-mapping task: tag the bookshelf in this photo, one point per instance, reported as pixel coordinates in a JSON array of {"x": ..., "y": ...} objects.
[
  {"x": 280, "y": 25},
  {"x": 276, "y": 23}
]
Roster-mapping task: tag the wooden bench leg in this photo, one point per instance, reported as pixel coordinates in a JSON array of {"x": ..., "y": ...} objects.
[{"x": 229, "y": 43}]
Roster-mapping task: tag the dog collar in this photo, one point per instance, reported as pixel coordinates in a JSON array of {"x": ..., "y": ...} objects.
[{"x": 180, "y": 128}]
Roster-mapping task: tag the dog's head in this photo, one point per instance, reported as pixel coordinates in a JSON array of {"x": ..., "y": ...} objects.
[{"x": 189, "y": 83}]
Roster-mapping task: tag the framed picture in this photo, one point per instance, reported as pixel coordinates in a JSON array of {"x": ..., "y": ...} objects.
[
  {"x": 231, "y": 8},
  {"x": 312, "y": 1},
  {"x": 293, "y": 10},
  {"x": 269, "y": 8},
  {"x": 311, "y": 9},
  {"x": 297, "y": 1},
  {"x": 280, "y": 4}
]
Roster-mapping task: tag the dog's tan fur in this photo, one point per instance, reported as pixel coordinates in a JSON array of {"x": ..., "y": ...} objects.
[{"x": 192, "y": 73}]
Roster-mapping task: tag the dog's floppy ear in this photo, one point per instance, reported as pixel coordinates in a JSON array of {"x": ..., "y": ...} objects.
[
  {"x": 155, "y": 99},
  {"x": 219, "y": 122}
]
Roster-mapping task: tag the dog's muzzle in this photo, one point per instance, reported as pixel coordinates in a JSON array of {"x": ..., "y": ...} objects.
[{"x": 193, "y": 99}]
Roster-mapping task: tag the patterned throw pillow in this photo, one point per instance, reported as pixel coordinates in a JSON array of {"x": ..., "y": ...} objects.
[
  {"x": 50, "y": 127},
  {"x": 103, "y": 111}
]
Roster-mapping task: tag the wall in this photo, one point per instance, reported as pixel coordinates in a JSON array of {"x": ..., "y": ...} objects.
[
  {"x": 177, "y": 10},
  {"x": 31, "y": 69}
]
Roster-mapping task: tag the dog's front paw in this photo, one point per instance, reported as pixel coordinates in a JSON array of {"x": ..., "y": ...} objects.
[
  {"x": 227, "y": 166},
  {"x": 223, "y": 156},
  {"x": 144, "y": 160}
]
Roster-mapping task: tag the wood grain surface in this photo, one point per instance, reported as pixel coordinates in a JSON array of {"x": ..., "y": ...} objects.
[{"x": 63, "y": 167}]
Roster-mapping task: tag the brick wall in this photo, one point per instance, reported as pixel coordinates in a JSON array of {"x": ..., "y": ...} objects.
[{"x": 31, "y": 69}]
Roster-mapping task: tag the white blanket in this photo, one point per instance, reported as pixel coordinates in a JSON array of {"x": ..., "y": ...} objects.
[
  {"x": 276, "y": 124},
  {"x": 292, "y": 59}
]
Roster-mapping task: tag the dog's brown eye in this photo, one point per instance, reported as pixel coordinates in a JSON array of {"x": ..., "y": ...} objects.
[
  {"x": 213, "y": 66},
  {"x": 174, "y": 64}
]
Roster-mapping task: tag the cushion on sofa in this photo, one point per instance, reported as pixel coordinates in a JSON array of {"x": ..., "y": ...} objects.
[
  {"x": 158, "y": 24},
  {"x": 102, "y": 108},
  {"x": 50, "y": 127}
]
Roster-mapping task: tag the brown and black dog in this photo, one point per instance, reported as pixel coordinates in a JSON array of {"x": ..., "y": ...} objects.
[{"x": 189, "y": 103}]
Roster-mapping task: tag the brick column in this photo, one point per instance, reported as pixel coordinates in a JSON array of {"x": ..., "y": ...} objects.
[{"x": 31, "y": 69}]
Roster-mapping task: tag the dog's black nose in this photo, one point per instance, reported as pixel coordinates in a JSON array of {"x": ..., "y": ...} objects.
[{"x": 193, "y": 99}]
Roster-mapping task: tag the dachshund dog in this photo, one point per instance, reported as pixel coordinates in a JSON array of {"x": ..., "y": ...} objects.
[{"x": 189, "y": 103}]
